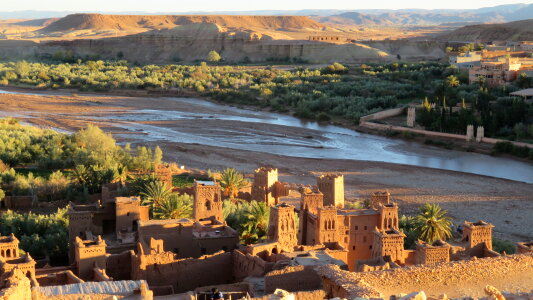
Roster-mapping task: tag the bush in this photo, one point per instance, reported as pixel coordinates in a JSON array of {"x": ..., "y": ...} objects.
[
  {"x": 503, "y": 245},
  {"x": 323, "y": 117}
]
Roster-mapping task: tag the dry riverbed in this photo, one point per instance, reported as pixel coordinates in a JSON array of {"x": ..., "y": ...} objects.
[{"x": 505, "y": 203}]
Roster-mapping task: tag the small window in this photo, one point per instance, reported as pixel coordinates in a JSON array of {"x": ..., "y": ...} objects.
[
  {"x": 364, "y": 239},
  {"x": 370, "y": 247},
  {"x": 353, "y": 247},
  {"x": 366, "y": 227},
  {"x": 356, "y": 227}
]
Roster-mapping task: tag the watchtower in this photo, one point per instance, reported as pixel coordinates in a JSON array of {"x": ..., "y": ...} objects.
[
  {"x": 390, "y": 243},
  {"x": 477, "y": 234},
  {"x": 89, "y": 254},
  {"x": 207, "y": 201},
  {"x": 262, "y": 187},
  {"x": 378, "y": 198},
  {"x": 388, "y": 216},
  {"x": 282, "y": 227},
  {"x": 327, "y": 225},
  {"x": 332, "y": 186}
]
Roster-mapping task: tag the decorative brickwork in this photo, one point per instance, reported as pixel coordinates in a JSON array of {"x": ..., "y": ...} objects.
[
  {"x": 263, "y": 185},
  {"x": 389, "y": 242},
  {"x": 282, "y": 227},
  {"x": 9, "y": 247},
  {"x": 478, "y": 235},
  {"x": 332, "y": 186},
  {"x": 427, "y": 254},
  {"x": 207, "y": 201},
  {"x": 88, "y": 255},
  {"x": 378, "y": 198}
]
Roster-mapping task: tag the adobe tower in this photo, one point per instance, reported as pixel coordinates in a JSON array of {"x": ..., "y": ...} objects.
[
  {"x": 263, "y": 185},
  {"x": 282, "y": 227},
  {"x": 207, "y": 201},
  {"x": 332, "y": 186}
]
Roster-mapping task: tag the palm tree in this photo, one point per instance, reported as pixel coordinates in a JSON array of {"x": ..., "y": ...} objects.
[
  {"x": 174, "y": 206},
  {"x": 432, "y": 223},
  {"x": 231, "y": 182},
  {"x": 256, "y": 222},
  {"x": 121, "y": 175},
  {"x": 155, "y": 192},
  {"x": 452, "y": 81}
]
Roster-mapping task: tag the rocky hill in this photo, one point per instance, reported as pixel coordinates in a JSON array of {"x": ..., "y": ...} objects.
[
  {"x": 139, "y": 23},
  {"x": 513, "y": 31}
]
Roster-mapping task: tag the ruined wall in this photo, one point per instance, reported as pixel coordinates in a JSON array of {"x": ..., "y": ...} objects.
[
  {"x": 293, "y": 278},
  {"x": 455, "y": 279},
  {"x": 18, "y": 202},
  {"x": 183, "y": 274},
  {"x": 245, "y": 265},
  {"x": 118, "y": 266},
  {"x": 15, "y": 286},
  {"x": 128, "y": 212},
  {"x": 177, "y": 236}
]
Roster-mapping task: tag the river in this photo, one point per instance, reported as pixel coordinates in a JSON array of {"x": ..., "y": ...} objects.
[{"x": 203, "y": 122}]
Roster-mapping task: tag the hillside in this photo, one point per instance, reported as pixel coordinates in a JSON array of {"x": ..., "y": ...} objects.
[
  {"x": 514, "y": 31},
  {"x": 498, "y": 14},
  {"x": 139, "y": 23}
]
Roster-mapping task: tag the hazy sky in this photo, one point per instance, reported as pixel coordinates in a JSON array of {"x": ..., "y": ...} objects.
[{"x": 237, "y": 5}]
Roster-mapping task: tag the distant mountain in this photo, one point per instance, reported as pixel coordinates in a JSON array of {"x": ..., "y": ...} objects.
[
  {"x": 513, "y": 31},
  {"x": 496, "y": 14}
]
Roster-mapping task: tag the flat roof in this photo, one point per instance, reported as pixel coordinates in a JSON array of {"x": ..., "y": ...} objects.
[{"x": 523, "y": 93}]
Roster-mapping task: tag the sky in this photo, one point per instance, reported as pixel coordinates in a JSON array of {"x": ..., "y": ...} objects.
[{"x": 238, "y": 5}]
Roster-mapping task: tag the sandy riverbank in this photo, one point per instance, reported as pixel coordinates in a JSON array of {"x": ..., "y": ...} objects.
[{"x": 507, "y": 204}]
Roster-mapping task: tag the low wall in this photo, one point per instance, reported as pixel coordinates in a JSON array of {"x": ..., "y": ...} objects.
[
  {"x": 245, "y": 265},
  {"x": 428, "y": 133},
  {"x": 118, "y": 266},
  {"x": 292, "y": 279},
  {"x": 456, "y": 279},
  {"x": 18, "y": 202},
  {"x": 383, "y": 114}
]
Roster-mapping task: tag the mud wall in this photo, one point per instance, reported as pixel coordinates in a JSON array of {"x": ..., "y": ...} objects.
[
  {"x": 296, "y": 278},
  {"x": 455, "y": 279},
  {"x": 183, "y": 274}
]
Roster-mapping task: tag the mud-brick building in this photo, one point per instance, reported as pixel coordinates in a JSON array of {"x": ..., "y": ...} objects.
[
  {"x": 186, "y": 238},
  {"x": 9, "y": 247},
  {"x": 352, "y": 229},
  {"x": 116, "y": 217}
]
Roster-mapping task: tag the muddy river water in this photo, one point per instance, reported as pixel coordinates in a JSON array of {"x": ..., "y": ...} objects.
[{"x": 196, "y": 121}]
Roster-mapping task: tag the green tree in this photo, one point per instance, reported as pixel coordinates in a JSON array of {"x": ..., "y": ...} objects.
[
  {"x": 231, "y": 181},
  {"x": 256, "y": 224},
  {"x": 155, "y": 193},
  {"x": 22, "y": 68},
  {"x": 173, "y": 207},
  {"x": 432, "y": 223},
  {"x": 158, "y": 156},
  {"x": 452, "y": 81},
  {"x": 213, "y": 56}
]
